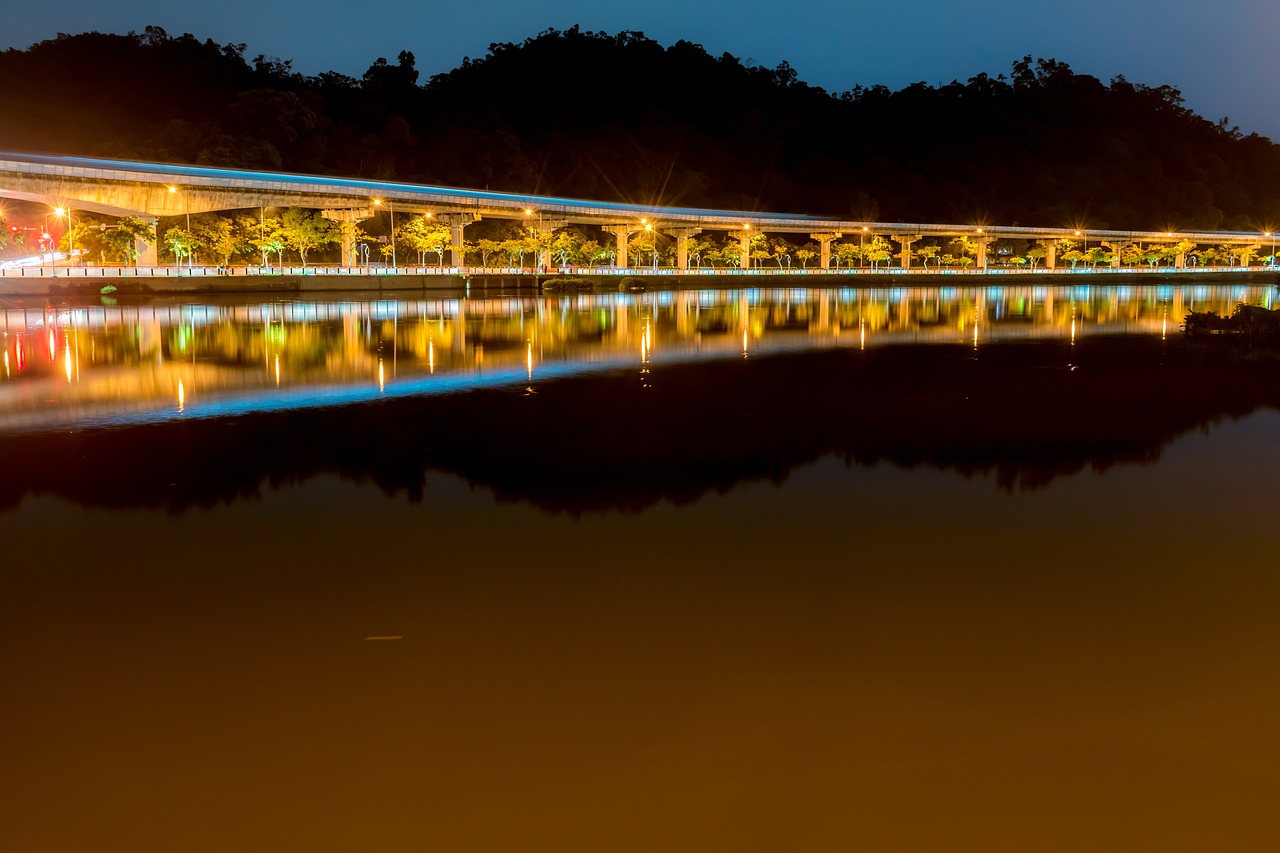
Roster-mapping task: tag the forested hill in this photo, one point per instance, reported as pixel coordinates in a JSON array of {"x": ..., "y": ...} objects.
[{"x": 621, "y": 117}]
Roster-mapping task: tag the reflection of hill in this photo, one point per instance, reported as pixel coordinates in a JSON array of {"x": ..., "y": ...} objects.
[{"x": 608, "y": 442}]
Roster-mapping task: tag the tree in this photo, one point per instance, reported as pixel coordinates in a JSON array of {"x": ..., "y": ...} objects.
[
  {"x": 215, "y": 233},
  {"x": 1097, "y": 255},
  {"x": 1131, "y": 255},
  {"x": 304, "y": 231},
  {"x": 806, "y": 253},
  {"x": 1154, "y": 253},
  {"x": 181, "y": 242},
  {"x": 1036, "y": 254},
  {"x": 877, "y": 251},
  {"x": 848, "y": 253},
  {"x": 966, "y": 247},
  {"x": 927, "y": 253},
  {"x": 781, "y": 251},
  {"x": 122, "y": 240},
  {"x": 697, "y": 247},
  {"x": 486, "y": 248},
  {"x": 1073, "y": 257},
  {"x": 730, "y": 253},
  {"x": 1244, "y": 254}
]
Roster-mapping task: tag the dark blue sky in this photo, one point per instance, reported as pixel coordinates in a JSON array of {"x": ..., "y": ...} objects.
[{"x": 1222, "y": 55}]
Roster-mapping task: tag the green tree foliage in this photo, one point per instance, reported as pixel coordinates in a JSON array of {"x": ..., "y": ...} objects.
[
  {"x": 304, "y": 231},
  {"x": 121, "y": 241}
]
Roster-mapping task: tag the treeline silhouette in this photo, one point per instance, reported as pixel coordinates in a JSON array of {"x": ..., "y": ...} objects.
[
  {"x": 621, "y": 117},
  {"x": 1019, "y": 414}
]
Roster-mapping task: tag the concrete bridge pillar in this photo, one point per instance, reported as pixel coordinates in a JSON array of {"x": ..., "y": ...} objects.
[
  {"x": 682, "y": 236},
  {"x": 542, "y": 229},
  {"x": 1115, "y": 252},
  {"x": 347, "y": 220},
  {"x": 905, "y": 240},
  {"x": 982, "y": 243},
  {"x": 1050, "y": 253},
  {"x": 456, "y": 223},
  {"x": 620, "y": 234},
  {"x": 1180, "y": 261},
  {"x": 148, "y": 253},
  {"x": 744, "y": 240},
  {"x": 824, "y": 247}
]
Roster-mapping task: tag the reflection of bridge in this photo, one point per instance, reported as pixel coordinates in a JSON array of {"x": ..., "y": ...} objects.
[
  {"x": 149, "y": 191},
  {"x": 114, "y": 364}
]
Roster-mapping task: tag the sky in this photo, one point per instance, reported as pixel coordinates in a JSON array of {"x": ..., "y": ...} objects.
[{"x": 1223, "y": 56}]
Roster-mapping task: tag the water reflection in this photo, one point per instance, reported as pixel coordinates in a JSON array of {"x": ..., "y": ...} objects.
[
  {"x": 1050, "y": 398},
  {"x": 114, "y": 364}
]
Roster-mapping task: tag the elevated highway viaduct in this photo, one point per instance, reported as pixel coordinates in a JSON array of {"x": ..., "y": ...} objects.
[{"x": 153, "y": 190}]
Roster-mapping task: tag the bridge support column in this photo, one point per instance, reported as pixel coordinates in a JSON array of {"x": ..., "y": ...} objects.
[
  {"x": 1050, "y": 253},
  {"x": 456, "y": 222},
  {"x": 620, "y": 234},
  {"x": 1180, "y": 261},
  {"x": 983, "y": 243},
  {"x": 905, "y": 240},
  {"x": 682, "y": 236},
  {"x": 1115, "y": 253},
  {"x": 347, "y": 220},
  {"x": 543, "y": 229},
  {"x": 148, "y": 253},
  {"x": 744, "y": 241},
  {"x": 824, "y": 247}
]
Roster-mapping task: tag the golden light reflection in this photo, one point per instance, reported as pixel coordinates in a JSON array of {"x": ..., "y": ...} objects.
[
  {"x": 277, "y": 370},
  {"x": 182, "y": 397},
  {"x": 528, "y": 359},
  {"x": 53, "y": 347},
  {"x": 66, "y": 360},
  {"x": 431, "y": 357},
  {"x": 382, "y": 376}
]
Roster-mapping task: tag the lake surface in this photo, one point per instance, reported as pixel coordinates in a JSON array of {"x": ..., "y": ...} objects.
[{"x": 974, "y": 569}]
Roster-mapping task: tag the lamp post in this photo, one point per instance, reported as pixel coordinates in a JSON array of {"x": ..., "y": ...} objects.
[
  {"x": 391, "y": 207},
  {"x": 1272, "y": 235},
  {"x": 71, "y": 234},
  {"x": 187, "y": 212}
]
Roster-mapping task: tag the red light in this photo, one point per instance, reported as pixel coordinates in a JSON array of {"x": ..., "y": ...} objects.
[{"x": 13, "y": 228}]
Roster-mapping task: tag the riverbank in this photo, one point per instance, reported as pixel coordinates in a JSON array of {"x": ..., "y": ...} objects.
[{"x": 106, "y": 281}]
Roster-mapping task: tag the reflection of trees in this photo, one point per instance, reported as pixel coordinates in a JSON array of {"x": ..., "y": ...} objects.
[{"x": 604, "y": 442}]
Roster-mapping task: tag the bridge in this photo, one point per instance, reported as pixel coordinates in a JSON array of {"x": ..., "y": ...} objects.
[{"x": 153, "y": 190}]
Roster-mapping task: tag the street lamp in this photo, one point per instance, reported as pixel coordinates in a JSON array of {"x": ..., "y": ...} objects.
[
  {"x": 187, "y": 211},
  {"x": 71, "y": 234},
  {"x": 1272, "y": 235},
  {"x": 392, "y": 208}
]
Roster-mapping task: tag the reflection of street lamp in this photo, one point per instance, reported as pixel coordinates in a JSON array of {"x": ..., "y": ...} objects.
[{"x": 392, "y": 208}]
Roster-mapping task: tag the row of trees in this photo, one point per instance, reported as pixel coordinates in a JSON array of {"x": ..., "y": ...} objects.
[{"x": 212, "y": 238}]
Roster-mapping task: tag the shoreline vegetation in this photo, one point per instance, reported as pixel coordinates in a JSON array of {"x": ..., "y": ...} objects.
[{"x": 1252, "y": 323}]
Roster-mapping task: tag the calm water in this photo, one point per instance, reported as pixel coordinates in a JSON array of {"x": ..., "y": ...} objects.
[{"x": 911, "y": 569}]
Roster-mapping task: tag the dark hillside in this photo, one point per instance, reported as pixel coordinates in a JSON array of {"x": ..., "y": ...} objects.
[{"x": 622, "y": 117}]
